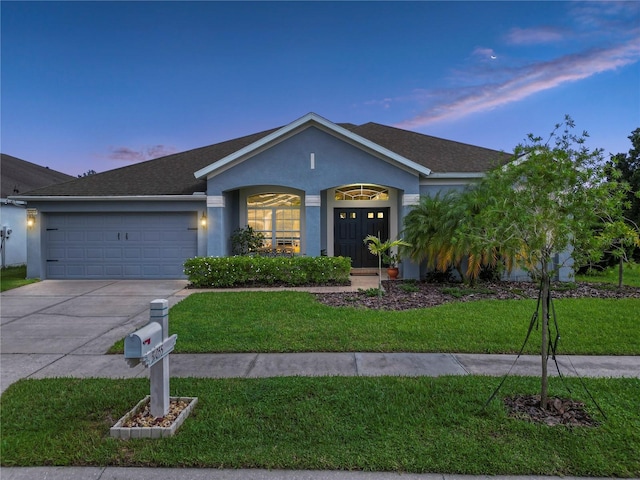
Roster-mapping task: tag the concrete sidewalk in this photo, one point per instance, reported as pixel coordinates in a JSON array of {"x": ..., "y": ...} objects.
[
  {"x": 119, "y": 473},
  {"x": 365, "y": 364}
]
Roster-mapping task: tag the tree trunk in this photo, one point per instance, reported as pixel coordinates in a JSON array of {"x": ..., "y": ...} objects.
[
  {"x": 620, "y": 271},
  {"x": 379, "y": 275},
  {"x": 545, "y": 340}
]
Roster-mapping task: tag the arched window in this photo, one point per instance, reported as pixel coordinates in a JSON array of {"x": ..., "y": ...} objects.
[
  {"x": 277, "y": 216},
  {"x": 362, "y": 192}
]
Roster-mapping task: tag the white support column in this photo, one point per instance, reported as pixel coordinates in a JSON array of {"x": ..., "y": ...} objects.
[{"x": 159, "y": 372}]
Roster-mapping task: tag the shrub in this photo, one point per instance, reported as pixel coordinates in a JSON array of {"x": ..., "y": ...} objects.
[
  {"x": 246, "y": 240},
  {"x": 240, "y": 271},
  {"x": 438, "y": 276},
  {"x": 371, "y": 292},
  {"x": 409, "y": 287}
]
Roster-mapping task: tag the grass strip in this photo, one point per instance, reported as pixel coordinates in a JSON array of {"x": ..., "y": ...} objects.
[
  {"x": 14, "y": 277},
  {"x": 337, "y": 423},
  {"x": 630, "y": 277},
  {"x": 296, "y": 322}
]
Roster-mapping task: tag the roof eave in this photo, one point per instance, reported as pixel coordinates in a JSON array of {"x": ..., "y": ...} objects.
[{"x": 109, "y": 198}]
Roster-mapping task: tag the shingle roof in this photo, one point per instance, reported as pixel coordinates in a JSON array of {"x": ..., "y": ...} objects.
[
  {"x": 174, "y": 174},
  {"x": 170, "y": 175},
  {"x": 437, "y": 154},
  {"x": 19, "y": 176}
]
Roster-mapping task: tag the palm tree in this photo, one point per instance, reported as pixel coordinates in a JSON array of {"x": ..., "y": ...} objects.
[
  {"x": 380, "y": 248},
  {"x": 433, "y": 229}
]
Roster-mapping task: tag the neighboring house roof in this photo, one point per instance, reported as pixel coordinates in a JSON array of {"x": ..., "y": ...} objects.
[
  {"x": 19, "y": 176},
  {"x": 176, "y": 174}
]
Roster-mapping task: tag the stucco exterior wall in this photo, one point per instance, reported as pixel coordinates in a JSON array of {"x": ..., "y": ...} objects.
[{"x": 14, "y": 247}]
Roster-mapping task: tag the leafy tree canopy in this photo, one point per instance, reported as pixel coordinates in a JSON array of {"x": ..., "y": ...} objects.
[
  {"x": 548, "y": 200},
  {"x": 627, "y": 168}
]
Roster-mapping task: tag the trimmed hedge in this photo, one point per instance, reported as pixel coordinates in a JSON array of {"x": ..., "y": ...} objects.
[{"x": 243, "y": 271}]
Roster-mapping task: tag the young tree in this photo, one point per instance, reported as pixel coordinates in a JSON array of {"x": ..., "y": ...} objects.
[
  {"x": 622, "y": 239},
  {"x": 619, "y": 239},
  {"x": 545, "y": 202}
]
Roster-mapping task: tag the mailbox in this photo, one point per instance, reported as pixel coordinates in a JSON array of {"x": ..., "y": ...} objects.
[{"x": 141, "y": 342}]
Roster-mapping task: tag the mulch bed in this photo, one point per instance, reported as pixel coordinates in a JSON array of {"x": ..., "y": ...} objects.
[
  {"x": 559, "y": 411},
  {"x": 144, "y": 418},
  {"x": 406, "y": 295}
]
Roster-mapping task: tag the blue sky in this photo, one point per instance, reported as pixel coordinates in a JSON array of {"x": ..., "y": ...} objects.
[{"x": 100, "y": 85}]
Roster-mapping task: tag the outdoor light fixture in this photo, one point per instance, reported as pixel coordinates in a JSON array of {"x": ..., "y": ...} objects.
[
  {"x": 31, "y": 217},
  {"x": 203, "y": 220}
]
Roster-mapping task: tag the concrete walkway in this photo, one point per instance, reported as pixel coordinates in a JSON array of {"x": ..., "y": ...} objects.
[{"x": 59, "y": 328}]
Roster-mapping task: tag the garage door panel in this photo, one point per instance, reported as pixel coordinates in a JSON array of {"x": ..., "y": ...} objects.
[
  {"x": 95, "y": 271},
  {"x": 132, "y": 253},
  {"x": 74, "y": 253},
  {"x": 113, "y": 253},
  {"x": 119, "y": 245},
  {"x": 55, "y": 253},
  {"x": 95, "y": 253},
  {"x": 132, "y": 271},
  {"x": 152, "y": 271},
  {"x": 152, "y": 253},
  {"x": 114, "y": 270},
  {"x": 74, "y": 270},
  {"x": 56, "y": 270},
  {"x": 172, "y": 271},
  {"x": 75, "y": 236},
  {"x": 56, "y": 235},
  {"x": 133, "y": 236},
  {"x": 152, "y": 236}
]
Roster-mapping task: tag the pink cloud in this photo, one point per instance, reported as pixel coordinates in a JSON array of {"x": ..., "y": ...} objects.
[
  {"x": 534, "y": 36},
  {"x": 127, "y": 154},
  {"x": 526, "y": 81}
]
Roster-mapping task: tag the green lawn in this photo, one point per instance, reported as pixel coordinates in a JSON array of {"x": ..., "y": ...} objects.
[
  {"x": 337, "y": 423},
  {"x": 14, "y": 277},
  {"x": 630, "y": 277},
  {"x": 296, "y": 322}
]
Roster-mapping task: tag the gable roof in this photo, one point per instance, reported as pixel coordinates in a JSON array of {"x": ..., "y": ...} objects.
[
  {"x": 185, "y": 173},
  {"x": 19, "y": 176},
  {"x": 311, "y": 120}
]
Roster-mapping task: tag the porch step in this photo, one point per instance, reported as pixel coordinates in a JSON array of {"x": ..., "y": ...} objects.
[{"x": 364, "y": 272}]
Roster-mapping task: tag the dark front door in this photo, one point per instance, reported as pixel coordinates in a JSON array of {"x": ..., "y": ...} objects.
[{"x": 351, "y": 225}]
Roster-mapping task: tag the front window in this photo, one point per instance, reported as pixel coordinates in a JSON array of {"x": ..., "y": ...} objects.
[{"x": 277, "y": 217}]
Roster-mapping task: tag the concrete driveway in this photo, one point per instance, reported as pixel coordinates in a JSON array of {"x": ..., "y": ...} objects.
[{"x": 42, "y": 323}]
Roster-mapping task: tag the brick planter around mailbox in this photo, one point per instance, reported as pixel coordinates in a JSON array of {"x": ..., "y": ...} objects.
[{"x": 126, "y": 433}]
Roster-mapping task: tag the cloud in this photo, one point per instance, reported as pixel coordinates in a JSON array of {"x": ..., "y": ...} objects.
[
  {"x": 525, "y": 81},
  {"x": 129, "y": 155},
  {"x": 534, "y": 36},
  {"x": 597, "y": 16},
  {"x": 489, "y": 81}
]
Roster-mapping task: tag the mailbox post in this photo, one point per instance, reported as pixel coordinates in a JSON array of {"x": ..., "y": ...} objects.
[{"x": 151, "y": 345}]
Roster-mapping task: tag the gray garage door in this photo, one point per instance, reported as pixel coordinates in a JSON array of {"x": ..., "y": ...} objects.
[{"x": 110, "y": 245}]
